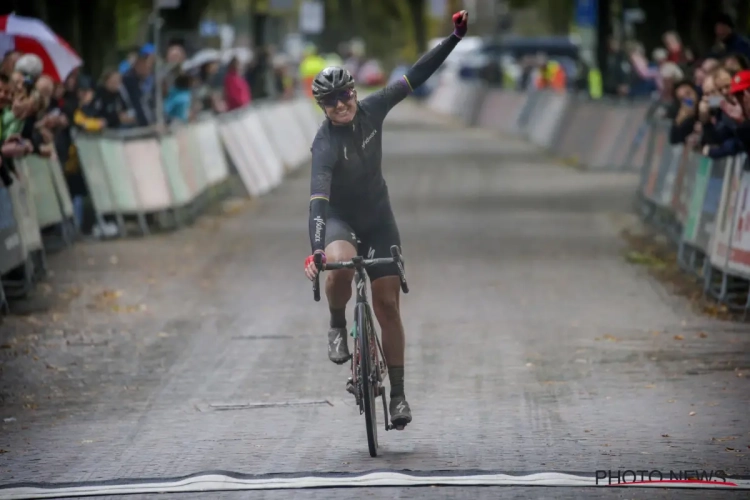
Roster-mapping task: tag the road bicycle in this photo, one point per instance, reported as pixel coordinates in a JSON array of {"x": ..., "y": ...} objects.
[{"x": 368, "y": 365}]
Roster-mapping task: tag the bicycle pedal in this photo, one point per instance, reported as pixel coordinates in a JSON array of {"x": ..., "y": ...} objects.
[{"x": 350, "y": 388}]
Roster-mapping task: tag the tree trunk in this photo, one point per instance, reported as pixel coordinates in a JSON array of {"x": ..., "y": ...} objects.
[{"x": 417, "y": 9}]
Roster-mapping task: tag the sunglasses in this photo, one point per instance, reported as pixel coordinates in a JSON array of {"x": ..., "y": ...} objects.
[{"x": 331, "y": 100}]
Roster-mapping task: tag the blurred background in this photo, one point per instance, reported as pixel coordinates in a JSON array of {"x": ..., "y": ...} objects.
[
  {"x": 277, "y": 40},
  {"x": 137, "y": 66}
]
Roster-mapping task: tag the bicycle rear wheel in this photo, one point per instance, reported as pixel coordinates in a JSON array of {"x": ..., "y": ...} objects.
[{"x": 367, "y": 375}]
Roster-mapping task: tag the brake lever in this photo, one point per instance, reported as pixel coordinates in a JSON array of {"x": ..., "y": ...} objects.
[{"x": 399, "y": 260}]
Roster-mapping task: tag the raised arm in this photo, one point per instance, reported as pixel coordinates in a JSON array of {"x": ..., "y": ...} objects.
[
  {"x": 323, "y": 161},
  {"x": 422, "y": 70}
]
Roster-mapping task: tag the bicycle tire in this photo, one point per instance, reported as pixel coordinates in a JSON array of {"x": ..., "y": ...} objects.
[{"x": 368, "y": 390}]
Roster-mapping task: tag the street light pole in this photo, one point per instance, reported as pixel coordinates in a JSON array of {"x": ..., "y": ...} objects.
[{"x": 157, "y": 21}]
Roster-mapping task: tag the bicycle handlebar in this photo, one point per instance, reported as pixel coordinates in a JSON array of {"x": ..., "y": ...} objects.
[{"x": 360, "y": 263}]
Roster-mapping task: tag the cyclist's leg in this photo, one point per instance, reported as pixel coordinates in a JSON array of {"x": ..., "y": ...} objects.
[
  {"x": 341, "y": 245},
  {"x": 386, "y": 294}
]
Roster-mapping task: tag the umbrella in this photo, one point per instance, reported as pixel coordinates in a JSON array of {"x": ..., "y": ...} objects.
[
  {"x": 244, "y": 55},
  {"x": 200, "y": 58},
  {"x": 31, "y": 36}
]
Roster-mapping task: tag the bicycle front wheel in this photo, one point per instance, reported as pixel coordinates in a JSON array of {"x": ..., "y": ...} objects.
[{"x": 367, "y": 375}]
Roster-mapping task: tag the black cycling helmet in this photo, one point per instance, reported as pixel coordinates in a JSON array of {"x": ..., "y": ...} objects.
[{"x": 330, "y": 80}]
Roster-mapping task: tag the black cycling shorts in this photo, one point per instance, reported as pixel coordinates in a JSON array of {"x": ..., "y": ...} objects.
[{"x": 374, "y": 244}]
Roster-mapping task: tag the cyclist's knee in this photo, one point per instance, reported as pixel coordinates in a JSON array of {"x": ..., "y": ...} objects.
[
  {"x": 385, "y": 296},
  {"x": 339, "y": 251}
]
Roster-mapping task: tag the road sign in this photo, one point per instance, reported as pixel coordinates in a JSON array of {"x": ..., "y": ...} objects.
[
  {"x": 311, "y": 17},
  {"x": 168, "y": 4},
  {"x": 586, "y": 13},
  {"x": 209, "y": 28}
]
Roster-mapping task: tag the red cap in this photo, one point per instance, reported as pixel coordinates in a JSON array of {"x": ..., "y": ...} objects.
[{"x": 740, "y": 82}]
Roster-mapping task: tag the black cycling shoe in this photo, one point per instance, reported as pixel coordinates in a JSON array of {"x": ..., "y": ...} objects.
[
  {"x": 338, "y": 349},
  {"x": 400, "y": 412}
]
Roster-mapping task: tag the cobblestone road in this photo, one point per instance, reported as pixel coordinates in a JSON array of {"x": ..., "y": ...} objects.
[{"x": 531, "y": 344}]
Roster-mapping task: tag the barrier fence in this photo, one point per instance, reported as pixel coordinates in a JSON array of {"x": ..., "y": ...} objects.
[
  {"x": 139, "y": 179},
  {"x": 701, "y": 204}
]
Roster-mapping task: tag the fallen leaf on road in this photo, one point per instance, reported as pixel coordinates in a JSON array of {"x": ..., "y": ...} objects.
[
  {"x": 611, "y": 338},
  {"x": 655, "y": 332},
  {"x": 114, "y": 260},
  {"x": 691, "y": 413},
  {"x": 164, "y": 335},
  {"x": 729, "y": 449},
  {"x": 679, "y": 337},
  {"x": 722, "y": 439},
  {"x": 649, "y": 386},
  {"x": 665, "y": 435},
  {"x": 3, "y": 451},
  {"x": 703, "y": 335},
  {"x": 87, "y": 441}
]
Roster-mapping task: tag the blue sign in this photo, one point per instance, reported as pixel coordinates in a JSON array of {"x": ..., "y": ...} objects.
[
  {"x": 586, "y": 13},
  {"x": 209, "y": 28}
]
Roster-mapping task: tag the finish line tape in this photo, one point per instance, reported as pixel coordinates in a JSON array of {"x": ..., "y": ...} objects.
[{"x": 220, "y": 482}]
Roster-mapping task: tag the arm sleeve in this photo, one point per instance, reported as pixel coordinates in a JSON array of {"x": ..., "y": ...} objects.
[
  {"x": 730, "y": 147},
  {"x": 323, "y": 160},
  {"x": 679, "y": 132},
  {"x": 384, "y": 100}
]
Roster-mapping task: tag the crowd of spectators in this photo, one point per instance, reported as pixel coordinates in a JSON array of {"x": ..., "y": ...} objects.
[
  {"x": 41, "y": 117},
  {"x": 708, "y": 99}
]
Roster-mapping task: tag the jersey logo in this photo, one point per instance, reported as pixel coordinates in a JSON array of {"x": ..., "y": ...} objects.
[
  {"x": 371, "y": 253},
  {"x": 319, "y": 224},
  {"x": 345, "y": 157},
  {"x": 368, "y": 139}
]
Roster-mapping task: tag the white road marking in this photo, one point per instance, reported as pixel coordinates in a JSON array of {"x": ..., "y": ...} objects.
[{"x": 217, "y": 482}]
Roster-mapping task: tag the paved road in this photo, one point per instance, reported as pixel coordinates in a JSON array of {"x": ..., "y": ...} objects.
[{"x": 532, "y": 345}]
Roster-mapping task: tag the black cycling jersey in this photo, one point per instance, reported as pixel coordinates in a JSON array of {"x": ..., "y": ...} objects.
[{"x": 347, "y": 179}]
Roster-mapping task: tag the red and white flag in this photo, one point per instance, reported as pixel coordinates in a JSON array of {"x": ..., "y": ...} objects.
[{"x": 31, "y": 36}]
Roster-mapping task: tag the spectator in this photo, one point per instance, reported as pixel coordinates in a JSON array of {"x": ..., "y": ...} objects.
[
  {"x": 129, "y": 60},
  {"x": 669, "y": 73},
  {"x": 109, "y": 104},
  {"x": 208, "y": 92},
  {"x": 735, "y": 62},
  {"x": 676, "y": 52},
  {"x": 617, "y": 71},
  {"x": 643, "y": 79},
  {"x": 728, "y": 40},
  {"x": 138, "y": 89},
  {"x": 8, "y": 66},
  {"x": 739, "y": 110},
  {"x": 17, "y": 81},
  {"x": 177, "y": 106},
  {"x": 176, "y": 57},
  {"x": 719, "y": 139},
  {"x": 82, "y": 121},
  {"x": 704, "y": 68},
  {"x": 236, "y": 89},
  {"x": 686, "y": 101},
  {"x": 258, "y": 70}
]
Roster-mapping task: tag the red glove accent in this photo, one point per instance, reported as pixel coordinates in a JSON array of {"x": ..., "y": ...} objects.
[
  {"x": 309, "y": 260},
  {"x": 461, "y": 23}
]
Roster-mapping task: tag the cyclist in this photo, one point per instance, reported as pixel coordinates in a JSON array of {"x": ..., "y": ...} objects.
[{"x": 349, "y": 205}]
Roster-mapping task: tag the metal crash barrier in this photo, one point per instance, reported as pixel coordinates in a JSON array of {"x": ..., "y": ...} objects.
[
  {"x": 702, "y": 205},
  {"x": 139, "y": 179}
]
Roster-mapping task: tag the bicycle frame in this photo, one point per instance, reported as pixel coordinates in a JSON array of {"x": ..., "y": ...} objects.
[{"x": 375, "y": 365}]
